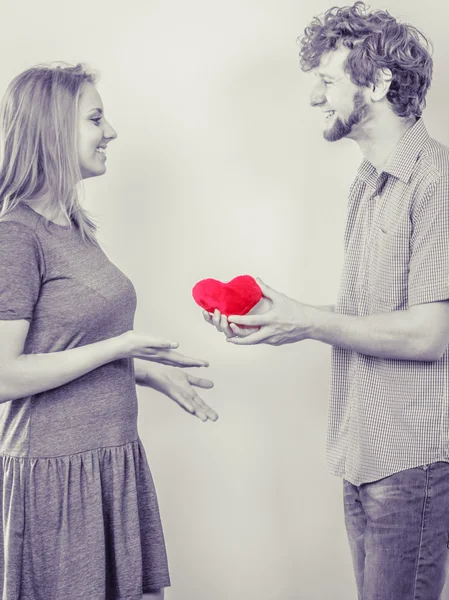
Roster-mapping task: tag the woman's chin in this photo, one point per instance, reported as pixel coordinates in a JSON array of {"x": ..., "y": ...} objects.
[{"x": 88, "y": 174}]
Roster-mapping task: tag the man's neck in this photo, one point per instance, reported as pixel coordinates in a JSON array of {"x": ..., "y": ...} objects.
[{"x": 381, "y": 136}]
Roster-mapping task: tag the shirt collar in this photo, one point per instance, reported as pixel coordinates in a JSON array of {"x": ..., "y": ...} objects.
[{"x": 402, "y": 160}]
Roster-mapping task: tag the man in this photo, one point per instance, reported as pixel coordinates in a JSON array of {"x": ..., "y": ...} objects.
[{"x": 388, "y": 430}]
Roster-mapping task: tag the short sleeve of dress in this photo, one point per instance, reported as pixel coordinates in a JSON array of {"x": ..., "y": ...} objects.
[
  {"x": 429, "y": 261},
  {"x": 20, "y": 271}
]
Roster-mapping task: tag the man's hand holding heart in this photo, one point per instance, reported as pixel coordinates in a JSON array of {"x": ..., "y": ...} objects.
[{"x": 275, "y": 319}]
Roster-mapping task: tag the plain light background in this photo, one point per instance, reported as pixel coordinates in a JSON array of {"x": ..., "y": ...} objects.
[{"x": 220, "y": 169}]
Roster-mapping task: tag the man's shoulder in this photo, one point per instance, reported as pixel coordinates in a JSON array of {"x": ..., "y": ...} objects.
[{"x": 435, "y": 156}]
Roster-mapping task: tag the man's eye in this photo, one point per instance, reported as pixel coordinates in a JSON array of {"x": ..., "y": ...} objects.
[{"x": 326, "y": 82}]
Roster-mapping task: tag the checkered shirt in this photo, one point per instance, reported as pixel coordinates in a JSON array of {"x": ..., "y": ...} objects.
[{"x": 387, "y": 415}]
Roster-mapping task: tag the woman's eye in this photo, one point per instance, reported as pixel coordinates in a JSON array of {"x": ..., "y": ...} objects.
[{"x": 96, "y": 120}]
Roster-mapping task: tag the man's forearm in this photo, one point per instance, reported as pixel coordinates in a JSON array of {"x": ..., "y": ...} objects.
[
  {"x": 326, "y": 307},
  {"x": 395, "y": 335},
  {"x": 420, "y": 333}
]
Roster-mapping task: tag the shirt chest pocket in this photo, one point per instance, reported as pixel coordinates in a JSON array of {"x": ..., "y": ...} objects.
[{"x": 387, "y": 269}]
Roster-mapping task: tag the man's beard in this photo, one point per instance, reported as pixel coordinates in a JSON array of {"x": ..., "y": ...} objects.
[{"x": 341, "y": 129}]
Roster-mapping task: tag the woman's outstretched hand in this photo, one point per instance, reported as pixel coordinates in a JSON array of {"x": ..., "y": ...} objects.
[
  {"x": 146, "y": 347},
  {"x": 180, "y": 387}
]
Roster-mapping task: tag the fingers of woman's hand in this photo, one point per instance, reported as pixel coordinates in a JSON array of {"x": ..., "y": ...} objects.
[
  {"x": 200, "y": 382},
  {"x": 183, "y": 402},
  {"x": 179, "y": 387},
  {"x": 135, "y": 344},
  {"x": 175, "y": 359},
  {"x": 201, "y": 408},
  {"x": 193, "y": 404},
  {"x": 160, "y": 344}
]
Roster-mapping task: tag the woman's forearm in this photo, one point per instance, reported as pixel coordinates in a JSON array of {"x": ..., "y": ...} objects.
[{"x": 30, "y": 374}]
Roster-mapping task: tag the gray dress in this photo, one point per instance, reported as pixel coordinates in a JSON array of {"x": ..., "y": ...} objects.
[{"x": 79, "y": 518}]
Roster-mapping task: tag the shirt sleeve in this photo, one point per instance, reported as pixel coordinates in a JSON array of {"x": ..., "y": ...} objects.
[
  {"x": 20, "y": 271},
  {"x": 428, "y": 279}
]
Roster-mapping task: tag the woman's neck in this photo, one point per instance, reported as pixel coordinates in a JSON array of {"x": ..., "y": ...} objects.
[{"x": 42, "y": 206}]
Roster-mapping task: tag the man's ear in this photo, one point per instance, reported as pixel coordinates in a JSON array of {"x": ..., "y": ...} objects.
[{"x": 383, "y": 81}]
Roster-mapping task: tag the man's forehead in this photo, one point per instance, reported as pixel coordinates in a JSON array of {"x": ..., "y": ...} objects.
[{"x": 332, "y": 63}]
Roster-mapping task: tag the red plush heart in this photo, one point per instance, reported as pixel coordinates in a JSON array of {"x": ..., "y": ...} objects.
[{"x": 237, "y": 297}]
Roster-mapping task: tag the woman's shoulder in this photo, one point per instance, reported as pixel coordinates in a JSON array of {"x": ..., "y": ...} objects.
[
  {"x": 20, "y": 245},
  {"x": 20, "y": 218},
  {"x": 18, "y": 235}
]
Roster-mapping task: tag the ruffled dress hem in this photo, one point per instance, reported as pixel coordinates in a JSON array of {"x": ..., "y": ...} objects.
[{"x": 81, "y": 526}]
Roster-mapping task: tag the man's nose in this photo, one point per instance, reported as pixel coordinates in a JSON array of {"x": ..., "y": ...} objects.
[{"x": 317, "y": 97}]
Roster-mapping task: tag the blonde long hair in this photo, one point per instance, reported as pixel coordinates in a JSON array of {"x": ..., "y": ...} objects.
[{"x": 38, "y": 142}]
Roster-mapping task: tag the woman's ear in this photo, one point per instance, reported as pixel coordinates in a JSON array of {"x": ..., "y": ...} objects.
[{"x": 380, "y": 88}]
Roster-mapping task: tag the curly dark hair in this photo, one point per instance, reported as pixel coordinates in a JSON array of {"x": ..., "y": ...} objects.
[{"x": 377, "y": 41}]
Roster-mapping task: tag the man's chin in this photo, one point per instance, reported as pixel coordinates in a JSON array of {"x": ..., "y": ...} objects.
[
  {"x": 335, "y": 133},
  {"x": 331, "y": 136}
]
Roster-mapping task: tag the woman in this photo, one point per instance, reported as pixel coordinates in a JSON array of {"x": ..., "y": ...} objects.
[{"x": 80, "y": 518}]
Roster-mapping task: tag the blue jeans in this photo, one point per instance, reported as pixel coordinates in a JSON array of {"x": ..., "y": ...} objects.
[{"x": 398, "y": 531}]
